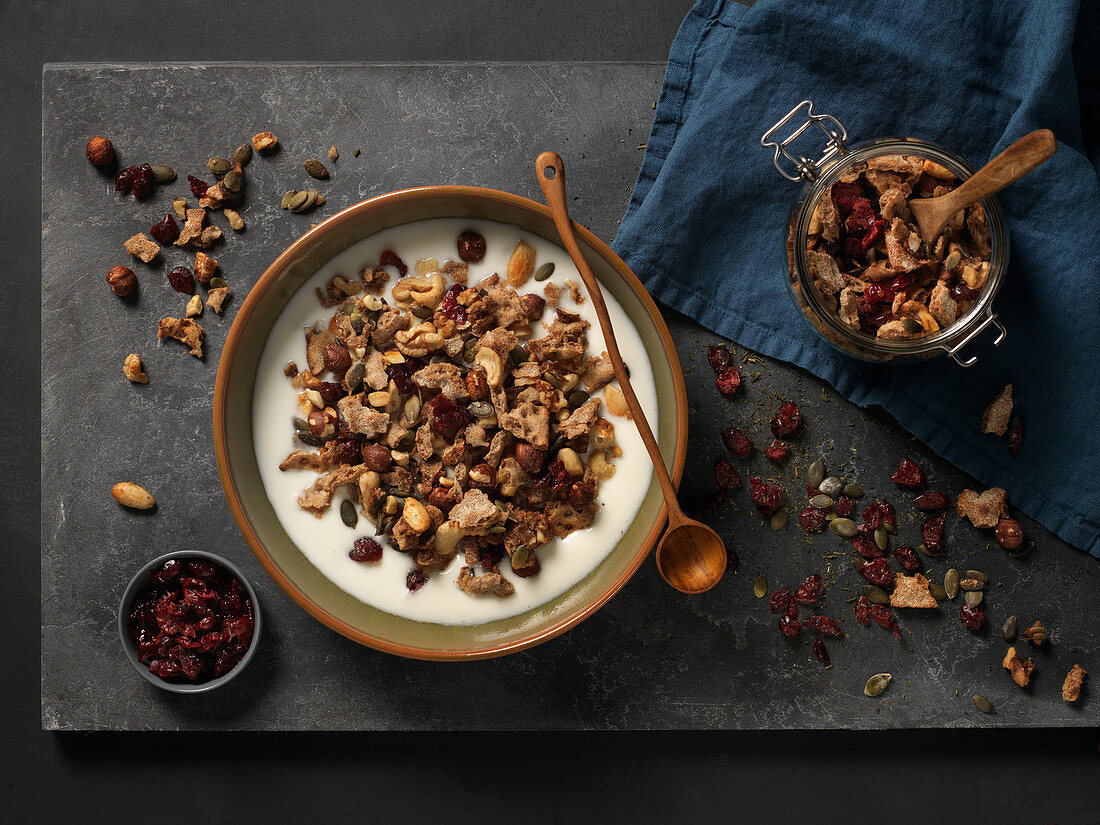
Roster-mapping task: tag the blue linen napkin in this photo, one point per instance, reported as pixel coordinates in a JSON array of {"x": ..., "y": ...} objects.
[{"x": 706, "y": 223}]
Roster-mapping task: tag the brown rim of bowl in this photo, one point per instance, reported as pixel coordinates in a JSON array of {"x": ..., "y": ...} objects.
[{"x": 245, "y": 526}]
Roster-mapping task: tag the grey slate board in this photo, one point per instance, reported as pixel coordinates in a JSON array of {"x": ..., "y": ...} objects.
[{"x": 651, "y": 658}]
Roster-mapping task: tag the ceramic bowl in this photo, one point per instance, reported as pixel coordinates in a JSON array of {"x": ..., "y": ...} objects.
[
  {"x": 142, "y": 579},
  {"x": 244, "y": 489}
]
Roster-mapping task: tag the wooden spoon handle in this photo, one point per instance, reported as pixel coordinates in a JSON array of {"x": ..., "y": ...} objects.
[
  {"x": 1030, "y": 151},
  {"x": 551, "y": 174}
]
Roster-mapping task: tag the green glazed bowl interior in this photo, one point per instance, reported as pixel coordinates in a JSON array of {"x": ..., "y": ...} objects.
[{"x": 256, "y": 517}]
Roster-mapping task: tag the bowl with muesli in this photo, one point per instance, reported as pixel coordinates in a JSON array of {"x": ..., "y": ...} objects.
[
  {"x": 857, "y": 266},
  {"x": 419, "y": 432}
]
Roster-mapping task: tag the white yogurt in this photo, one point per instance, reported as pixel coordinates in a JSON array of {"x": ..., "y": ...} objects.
[{"x": 326, "y": 541}]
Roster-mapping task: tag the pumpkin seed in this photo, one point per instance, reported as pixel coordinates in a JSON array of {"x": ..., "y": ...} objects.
[
  {"x": 881, "y": 539},
  {"x": 422, "y": 312},
  {"x": 815, "y": 474},
  {"x": 552, "y": 380},
  {"x": 544, "y": 271},
  {"x": 821, "y": 502},
  {"x": 853, "y": 490},
  {"x": 520, "y": 557},
  {"x": 831, "y": 517},
  {"x": 354, "y": 376},
  {"x": 518, "y": 355},
  {"x": 348, "y": 514},
  {"x": 831, "y": 486},
  {"x": 469, "y": 351},
  {"x": 1008, "y": 632},
  {"x": 310, "y": 439},
  {"x": 311, "y": 198},
  {"x": 293, "y": 200},
  {"x": 844, "y": 527},
  {"x": 877, "y": 684},
  {"x": 411, "y": 413},
  {"x": 216, "y": 283},
  {"x": 970, "y": 585},
  {"x": 977, "y": 574},
  {"x": 974, "y": 597},
  {"x": 890, "y": 527},
  {"x": 300, "y": 425},
  {"x": 163, "y": 174},
  {"x": 937, "y": 591},
  {"x": 232, "y": 181},
  {"x": 576, "y": 398},
  {"x": 779, "y": 519},
  {"x": 876, "y": 595},
  {"x": 480, "y": 409},
  {"x": 760, "y": 586},
  {"x": 315, "y": 168},
  {"x": 219, "y": 166},
  {"x": 951, "y": 583},
  {"x": 981, "y": 703},
  {"x": 243, "y": 154},
  {"x": 911, "y": 326}
]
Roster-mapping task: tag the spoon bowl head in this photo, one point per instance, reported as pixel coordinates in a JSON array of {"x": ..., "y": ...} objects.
[{"x": 691, "y": 557}]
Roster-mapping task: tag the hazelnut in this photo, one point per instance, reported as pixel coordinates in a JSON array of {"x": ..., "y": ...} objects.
[
  {"x": 99, "y": 151},
  {"x": 581, "y": 494},
  {"x": 322, "y": 423},
  {"x": 1009, "y": 533},
  {"x": 471, "y": 247},
  {"x": 482, "y": 477},
  {"x": 533, "y": 305},
  {"x": 377, "y": 457},
  {"x": 122, "y": 280},
  {"x": 529, "y": 457},
  {"x": 477, "y": 385},
  {"x": 442, "y": 499},
  {"x": 337, "y": 359}
]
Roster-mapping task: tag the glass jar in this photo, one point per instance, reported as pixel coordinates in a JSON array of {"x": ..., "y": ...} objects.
[{"x": 819, "y": 176}]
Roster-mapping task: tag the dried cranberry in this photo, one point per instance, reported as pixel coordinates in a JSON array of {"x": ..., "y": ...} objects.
[
  {"x": 879, "y": 512},
  {"x": 861, "y": 219},
  {"x": 142, "y": 181},
  {"x": 401, "y": 374},
  {"x": 169, "y": 571},
  {"x": 557, "y": 476},
  {"x": 792, "y": 610},
  {"x": 330, "y": 392},
  {"x": 124, "y": 180},
  {"x": 884, "y": 617},
  {"x": 777, "y": 450},
  {"x": 348, "y": 452},
  {"x": 878, "y": 294},
  {"x": 873, "y": 234},
  {"x": 901, "y": 282},
  {"x": 165, "y": 231},
  {"x": 931, "y": 531},
  {"x": 866, "y": 547},
  {"x": 810, "y": 590},
  {"x": 972, "y": 618},
  {"x": 766, "y": 497},
  {"x": 736, "y": 442},
  {"x": 789, "y": 627},
  {"x": 863, "y": 611},
  {"x": 719, "y": 357},
  {"x": 711, "y": 506},
  {"x": 930, "y": 501},
  {"x": 181, "y": 280},
  {"x": 812, "y": 519},
  {"x": 389, "y": 258},
  {"x": 450, "y": 306},
  {"x": 852, "y": 247},
  {"x": 365, "y": 549},
  {"x": 845, "y": 195},
  {"x": 728, "y": 381},
  {"x": 844, "y": 506},
  {"x": 871, "y": 323},
  {"x": 197, "y": 185},
  {"x": 961, "y": 292},
  {"x": 491, "y": 556},
  {"x": 823, "y": 625},
  {"x": 779, "y": 600},
  {"x": 1015, "y": 435},
  {"x": 447, "y": 417},
  {"x": 786, "y": 420},
  {"x": 726, "y": 475},
  {"x": 908, "y": 558},
  {"x": 908, "y": 474},
  {"x": 820, "y": 652},
  {"x": 415, "y": 580},
  {"x": 877, "y": 572}
]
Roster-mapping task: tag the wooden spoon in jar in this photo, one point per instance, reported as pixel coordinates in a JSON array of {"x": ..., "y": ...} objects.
[
  {"x": 1030, "y": 151},
  {"x": 690, "y": 556}
]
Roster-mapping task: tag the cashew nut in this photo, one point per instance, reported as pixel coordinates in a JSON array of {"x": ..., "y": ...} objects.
[
  {"x": 572, "y": 461},
  {"x": 489, "y": 360},
  {"x": 415, "y": 515},
  {"x": 446, "y": 537}
]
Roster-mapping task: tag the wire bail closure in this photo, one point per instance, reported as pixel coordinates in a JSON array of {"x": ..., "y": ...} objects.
[{"x": 804, "y": 169}]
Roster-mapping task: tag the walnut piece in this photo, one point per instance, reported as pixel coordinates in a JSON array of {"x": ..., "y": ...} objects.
[
  {"x": 133, "y": 369},
  {"x": 1021, "y": 671},
  {"x": 183, "y": 330},
  {"x": 1071, "y": 688}
]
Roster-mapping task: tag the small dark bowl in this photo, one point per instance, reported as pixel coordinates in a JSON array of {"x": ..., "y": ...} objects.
[{"x": 143, "y": 579}]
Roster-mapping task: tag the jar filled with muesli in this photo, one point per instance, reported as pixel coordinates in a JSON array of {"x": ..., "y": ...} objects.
[{"x": 857, "y": 267}]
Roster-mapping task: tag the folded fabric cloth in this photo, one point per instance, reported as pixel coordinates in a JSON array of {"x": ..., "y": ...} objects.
[{"x": 707, "y": 221}]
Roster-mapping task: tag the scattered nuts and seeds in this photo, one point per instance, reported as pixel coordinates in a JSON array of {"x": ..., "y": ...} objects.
[
  {"x": 122, "y": 280},
  {"x": 1071, "y": 687},
  {"x": 315, "y": 168},
  {"x": 264, "y": 141},
  {"x": 133, "y": 496},
  {"x": 134, "y": 370},
  {"x": 99, "y": 151}
]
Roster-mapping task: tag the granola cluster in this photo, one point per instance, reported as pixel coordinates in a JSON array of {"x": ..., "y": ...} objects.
[
  {"x": 869, "y": 263},
  {"x": 455, "y": 419}
]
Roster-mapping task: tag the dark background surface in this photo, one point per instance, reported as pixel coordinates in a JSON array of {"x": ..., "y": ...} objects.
[{"x": 1004, "y": 776}]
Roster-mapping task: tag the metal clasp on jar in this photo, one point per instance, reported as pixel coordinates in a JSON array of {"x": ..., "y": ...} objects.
[
  {"x": 953, "y": 350},
  {"x": 805, "y": 169}
]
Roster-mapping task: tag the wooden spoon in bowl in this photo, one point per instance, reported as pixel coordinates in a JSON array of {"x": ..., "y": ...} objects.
[
  {"x": 1030, "y": 151},
  {"x": 690, "y": 556}
]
